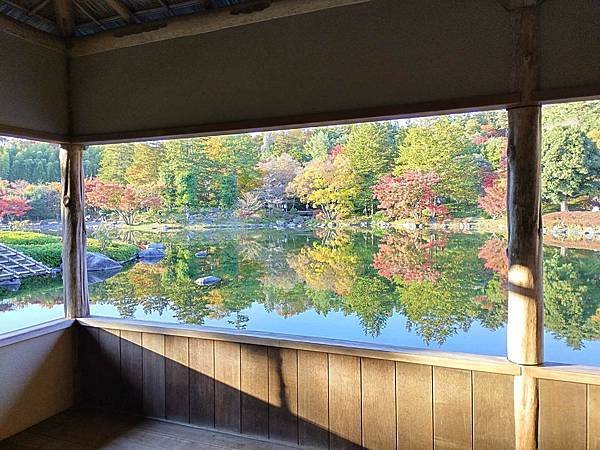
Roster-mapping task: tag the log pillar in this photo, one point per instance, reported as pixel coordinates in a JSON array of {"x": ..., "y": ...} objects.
[
  {"x": 525, "y": 273},
  {"x": 75, "y": 283},
  {"x": 525, "y": 328}
]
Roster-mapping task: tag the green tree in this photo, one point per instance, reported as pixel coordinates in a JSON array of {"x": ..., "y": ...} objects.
[
  {"x": 370, "y": 152},
  {"x": 442, "y": 146},
  {"x": 144, "y": 169},
  {"x": 570, "y": 165},
  {"x": 115, "y": 159},
  {"x": 329, "y": 184}
]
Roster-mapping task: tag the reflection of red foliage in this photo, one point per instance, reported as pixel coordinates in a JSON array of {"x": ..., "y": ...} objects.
[
  {"x": 338, "y": 149},
  {"x": 493, "y": 252},
  {"x": 484, "y": 301},
  {"x": 408, "y": 258}
]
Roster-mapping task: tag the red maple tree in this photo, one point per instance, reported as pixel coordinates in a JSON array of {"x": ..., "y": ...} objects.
[
  {"x": 124, "y": 200},
  {"x": 11, "y": 204},
  {"x": 410, "y": 196}
]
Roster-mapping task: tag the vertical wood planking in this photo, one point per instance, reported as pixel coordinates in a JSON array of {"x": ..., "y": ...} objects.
[
  {"x": 593, "y": 425},
  {"x": 313, "y": 399},
  {"x": 153, "y": 374},
  {"x": 452, "y": 408},
  {"x": 109, "y": 372},
  {"x": 283, "y": 395},
  {"x": 227, "y": 386},
  {"x": 563, "y": 418},
  {"x": 202, "y": 382},
  {"x": 378, "y": 404},
  {"x": 89, "y": 354},
  {"x": 254, "y": 382},
  {"x": 414, "y": 393},
  {"x": 493, "y": 411},
  {"x": 344, "y": 402},
  {"x": 177, "y": 397},
  {"x": 131, "y": 371}
]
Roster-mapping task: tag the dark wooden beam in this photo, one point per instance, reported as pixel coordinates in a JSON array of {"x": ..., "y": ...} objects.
[
  {"x": 122, "y": 10},
  {"x": 511, "y": 5},
  {"x": 193, "y": 24},
  {"x": 409, "y": 110},
  {"x": 30, "y": 34},
  {"x": 75, "y": 282},
  {"x": 64, "y": 17}
]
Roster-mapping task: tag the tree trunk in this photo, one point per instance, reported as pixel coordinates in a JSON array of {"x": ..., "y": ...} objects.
[
  {"x": 75, "y": 283},
  {"x": 564, "y": 205}
]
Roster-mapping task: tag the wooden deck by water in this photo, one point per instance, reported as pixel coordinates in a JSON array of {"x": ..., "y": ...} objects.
[
  {"x": 15, "y": 265},
  {"x": 79, "y": 429}
]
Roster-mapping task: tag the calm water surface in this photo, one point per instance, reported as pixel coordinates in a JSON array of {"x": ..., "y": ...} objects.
[{"x": 428, "y": 291}]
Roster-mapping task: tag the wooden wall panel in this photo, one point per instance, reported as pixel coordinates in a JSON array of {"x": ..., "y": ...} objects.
[
  {"x": 378, "y": 404},
  {"x": 202, "y": 382},
  {"x": 283, "y": 395},
  {"x": 177, "y": 386},
  {"x": 254, "y": 381},
  {"x": 493, "y": 411},
  {"x": 89, "y": 355},
  {"x": 109, "y": 371},
  {"x": 593, "y": 425},
  {"x": 227, "y": 386},
  {"x": 414, "y": 391},
  {"x": 153, "y": 371},
  {"x": 131, "y": 371},
  {"x": 452, "y": 405},
  {"x": 321, "y": 400},
  {"x": 344, "y": 402},
  {"x": 313, "y": 399},
  {"x": 563, "y": 418}
]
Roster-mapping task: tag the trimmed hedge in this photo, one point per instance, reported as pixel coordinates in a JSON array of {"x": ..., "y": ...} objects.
[
  {"x": 119, "y": 251},
  {"x": 48, "y": 249},
  {"x": 27, "y": 238}
]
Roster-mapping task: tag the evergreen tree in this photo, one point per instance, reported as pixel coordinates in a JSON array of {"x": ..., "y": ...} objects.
[
  {"x": 570, "y": 165},
  {"x": 370, "y": 152}
]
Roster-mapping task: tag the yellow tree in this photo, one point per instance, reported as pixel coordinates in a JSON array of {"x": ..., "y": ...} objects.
[{"x": 329, "y": 184}]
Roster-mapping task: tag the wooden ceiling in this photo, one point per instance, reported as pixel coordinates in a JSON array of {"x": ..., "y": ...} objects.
[{"x": 78, "y": 18}]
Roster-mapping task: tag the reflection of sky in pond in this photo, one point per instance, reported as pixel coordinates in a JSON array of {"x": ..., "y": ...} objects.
[
  {"x": 443, "y": 292},
  {"x": 477, "y": 340}
]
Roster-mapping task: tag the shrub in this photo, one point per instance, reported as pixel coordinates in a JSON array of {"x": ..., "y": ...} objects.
[
  {"x": 48, "y": 249},
  {"x": 26, "y": 238},
  {"x": 119, "y": 251},
  {"x": 48, "y": 254}
]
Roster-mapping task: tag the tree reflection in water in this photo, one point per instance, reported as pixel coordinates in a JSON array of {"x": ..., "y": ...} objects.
[{"x": 442, "y": 284}]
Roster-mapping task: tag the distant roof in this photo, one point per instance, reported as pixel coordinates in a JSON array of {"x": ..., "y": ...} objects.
[{"x": 93, "y": 16}]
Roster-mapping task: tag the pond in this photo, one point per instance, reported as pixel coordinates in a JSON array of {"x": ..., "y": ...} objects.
[{"x": 443, "y": 291}]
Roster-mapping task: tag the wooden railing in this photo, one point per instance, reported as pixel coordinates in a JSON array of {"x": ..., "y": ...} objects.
[{"x": 328, "y": 394}]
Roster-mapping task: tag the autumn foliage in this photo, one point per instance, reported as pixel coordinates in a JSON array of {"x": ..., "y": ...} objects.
[
  {"x": 493, "y": 253},
  {"x": 11, "y": 204},
  {"x": 125, "y": 200},
  {"x": 493, "y": 200},
  {"x": 410, "y": 196},
  {"x": 407, "y": 257}
]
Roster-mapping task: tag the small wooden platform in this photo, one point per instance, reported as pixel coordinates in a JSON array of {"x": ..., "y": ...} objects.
[
  {"x": 15, "y": 265},
  {"x": 79, "y": 429}
]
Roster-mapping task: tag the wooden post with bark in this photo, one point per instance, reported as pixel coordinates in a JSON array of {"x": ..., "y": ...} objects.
[
  {"x": 75, "y": 283},
  {"x": 525, "y": 326}
]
